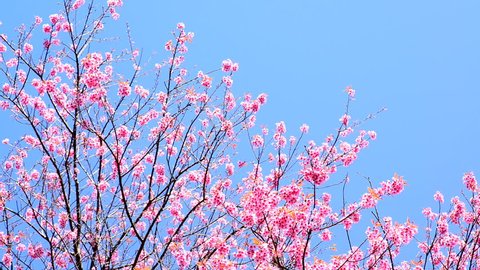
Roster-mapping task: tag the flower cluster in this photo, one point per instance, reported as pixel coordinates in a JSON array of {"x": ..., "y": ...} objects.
[{"x": 113, "y": 173}]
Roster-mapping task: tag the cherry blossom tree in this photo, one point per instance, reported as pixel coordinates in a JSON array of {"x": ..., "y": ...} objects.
[{"x": 130, "y": 165}]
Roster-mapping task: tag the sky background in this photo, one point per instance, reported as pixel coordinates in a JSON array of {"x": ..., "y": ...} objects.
[{"x": 420, "y": 59}]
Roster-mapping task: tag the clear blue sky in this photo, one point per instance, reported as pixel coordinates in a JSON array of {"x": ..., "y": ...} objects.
[{"x": 420, "y": 59}]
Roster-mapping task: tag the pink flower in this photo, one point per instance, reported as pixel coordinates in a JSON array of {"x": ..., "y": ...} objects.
[
  {"x": 350, "y": 91},
  {"x": 230, "y": 168},
  {"x": 257, "y": 141},
  {"x": 67, "y": 27},
  {"x": 124, "y": 89},
  {"x": 149, "y": 158},
  {"x": 470, "y": 181},
  {"x": 8, "y": 165},
  {"x": 369, "y": 200},
  {"x": 326, "y": 197},
  {"x": 7, "y": 259},
  {"x": 142, "y": 92},
  {"x": 262, "y": 98},
  {"x": 438, "y": 197},
  {"x": 227, "y": 65},
  {"x": 304, "y": 128},
  {"x": 35, "y": 251},
  {"x": 372, "y": 134},
  {"x": 27, "y": 48},
  {"x": 29, "y": 214},
  {"x": 180, "y": 26},
  {"x": 169, "y": 46},
  {"x": 326, "y": 235},
  {"x": 12, "y": 62},
  {"x": 265, "y": 131},
  {"x": 281, "y": 128},
  {"x": 235, "y": 67},
  {"x": 35, "y": 174},
  {"x": 61, "y": 262},
  {"x": 38, "y": 20},
  {"x": 292, "y": 140},
  {"x": 32, "y": 141},
  {"x": 227, "y": 80},
  {"x": 78, "y": 4},
  {"x": 114, "y": 3},
  {"x": 290, "y": 193},
  {"x": 21, "y": 247},
  {"x": 345, "y": 119},
  {"x": 54, "y": 18},
  {"x": 394, "y": 186},
  {"x": 115, "y": 16},
  {"x": 98, "y": 25},
  {"x": 103, "y": 186},
  {"x": 428, "y": 213},
  {"x": 206, "y": 81}
]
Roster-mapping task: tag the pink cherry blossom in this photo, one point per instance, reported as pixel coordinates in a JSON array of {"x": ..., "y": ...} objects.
[
  {"x": 7, "y": 259},
  {"x": 470, "y": 181},
  {"x": 227, "y": 80},
  {"x": 38, "y": 20},
  {"x": 227, "y": 65},
  {"x": 345, "y": 119},
  {"x": 123, "y": 164},
  {"x": 438, "y": 197},
  {"x": 304, "y": 128},
  {"x": 350, "y": 91}
]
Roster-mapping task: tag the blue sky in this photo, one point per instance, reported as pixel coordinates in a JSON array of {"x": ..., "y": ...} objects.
[{"x": 420, "y": 59}]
